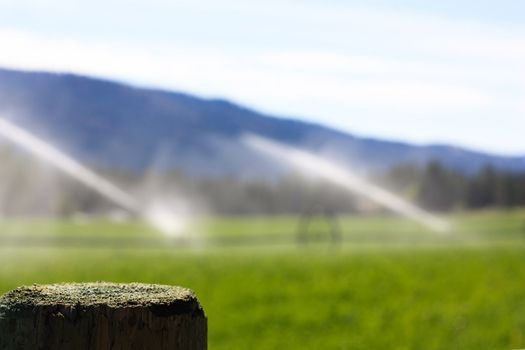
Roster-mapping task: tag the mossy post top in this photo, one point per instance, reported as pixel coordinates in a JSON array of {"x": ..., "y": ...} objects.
[
  {"x": 101, "y": 316},
  {"x": 175, "y": 300}
]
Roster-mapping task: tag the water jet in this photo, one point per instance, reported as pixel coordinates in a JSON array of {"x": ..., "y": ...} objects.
[
  {"x": 317, "y": 166},
  {"x": 156, "y": 215}
]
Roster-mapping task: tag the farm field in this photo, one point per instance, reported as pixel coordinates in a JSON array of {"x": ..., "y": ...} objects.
[{"x": 391, "y": 284}]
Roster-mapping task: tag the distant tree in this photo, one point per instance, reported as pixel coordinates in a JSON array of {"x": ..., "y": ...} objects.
[
  {"x": 440, "y": 189},
  {"x": 482, "y": 189}
]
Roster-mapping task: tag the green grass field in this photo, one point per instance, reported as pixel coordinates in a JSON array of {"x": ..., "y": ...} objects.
[{"x": 391, "y": 285}]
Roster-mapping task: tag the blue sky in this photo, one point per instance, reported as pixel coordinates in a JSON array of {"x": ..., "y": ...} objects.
[{"x": 420, "y": 71}]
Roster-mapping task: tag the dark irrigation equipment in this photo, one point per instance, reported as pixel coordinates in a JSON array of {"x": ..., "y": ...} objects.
[
  {"x": 101, "y": 315},
  {"x": 312, "y": 214}
]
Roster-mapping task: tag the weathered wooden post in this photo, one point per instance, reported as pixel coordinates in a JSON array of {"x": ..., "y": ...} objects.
[{"x": 98, "y": 316}]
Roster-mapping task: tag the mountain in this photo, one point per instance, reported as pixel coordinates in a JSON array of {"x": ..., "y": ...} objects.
[{"x": 112, "y": 125}]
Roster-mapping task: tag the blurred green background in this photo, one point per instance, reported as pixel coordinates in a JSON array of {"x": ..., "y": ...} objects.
[{"x": 390, "y": 284}]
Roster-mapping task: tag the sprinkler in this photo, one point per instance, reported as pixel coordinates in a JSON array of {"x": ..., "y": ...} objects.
[
  {"x": 156, "y": 214},
  {"x": 319, "y": 167}
]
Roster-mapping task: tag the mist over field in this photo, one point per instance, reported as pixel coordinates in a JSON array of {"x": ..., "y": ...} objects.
[
  {"x": 352, "y": 241},
  {"x": 193, "y": 146},
  {"x": 323, "y": 175}
]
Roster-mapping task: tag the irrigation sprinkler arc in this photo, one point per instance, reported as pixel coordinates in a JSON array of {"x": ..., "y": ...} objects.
[
  {"x": 320, "y": 167},
  {"x": 51, "y": 155},
  {"x": 156, "y": 215}
]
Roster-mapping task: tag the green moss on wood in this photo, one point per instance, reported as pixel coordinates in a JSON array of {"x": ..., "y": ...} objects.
[
  {"x": 160, "y": 299},
  {"x": 97, "y": 316}
]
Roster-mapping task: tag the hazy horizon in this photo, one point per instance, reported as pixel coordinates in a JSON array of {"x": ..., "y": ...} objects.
[{"x": 271, "y": 114}]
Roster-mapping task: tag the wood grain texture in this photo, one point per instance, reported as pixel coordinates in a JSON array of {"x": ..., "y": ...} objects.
[{"x": 102, "y": 316}]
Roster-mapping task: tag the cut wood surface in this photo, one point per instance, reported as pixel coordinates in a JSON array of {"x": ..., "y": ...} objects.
[{"x": 101, "y": 316}]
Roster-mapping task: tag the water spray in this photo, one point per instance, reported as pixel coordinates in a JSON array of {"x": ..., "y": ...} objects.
[
  {"x": 156, "y": 214},
  {"x": 315, "y": 165}
]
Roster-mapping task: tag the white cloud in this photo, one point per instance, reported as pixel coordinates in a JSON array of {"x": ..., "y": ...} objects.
[
  {"x": 330, "y": 64},
  {"x": 248, "y": 75}
]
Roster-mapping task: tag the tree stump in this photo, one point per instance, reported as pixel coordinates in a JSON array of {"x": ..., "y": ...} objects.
[{"x": 101, "y": 316}]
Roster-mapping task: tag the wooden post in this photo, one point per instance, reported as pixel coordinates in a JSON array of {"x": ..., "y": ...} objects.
[{"x": 98, "y": 316}]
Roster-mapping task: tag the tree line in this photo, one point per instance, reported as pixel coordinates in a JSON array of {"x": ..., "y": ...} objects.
[
  {"x": 432, "y": 186},
  {"x": 439, "y": 188},
  {"x": 32, "y": 187}
]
